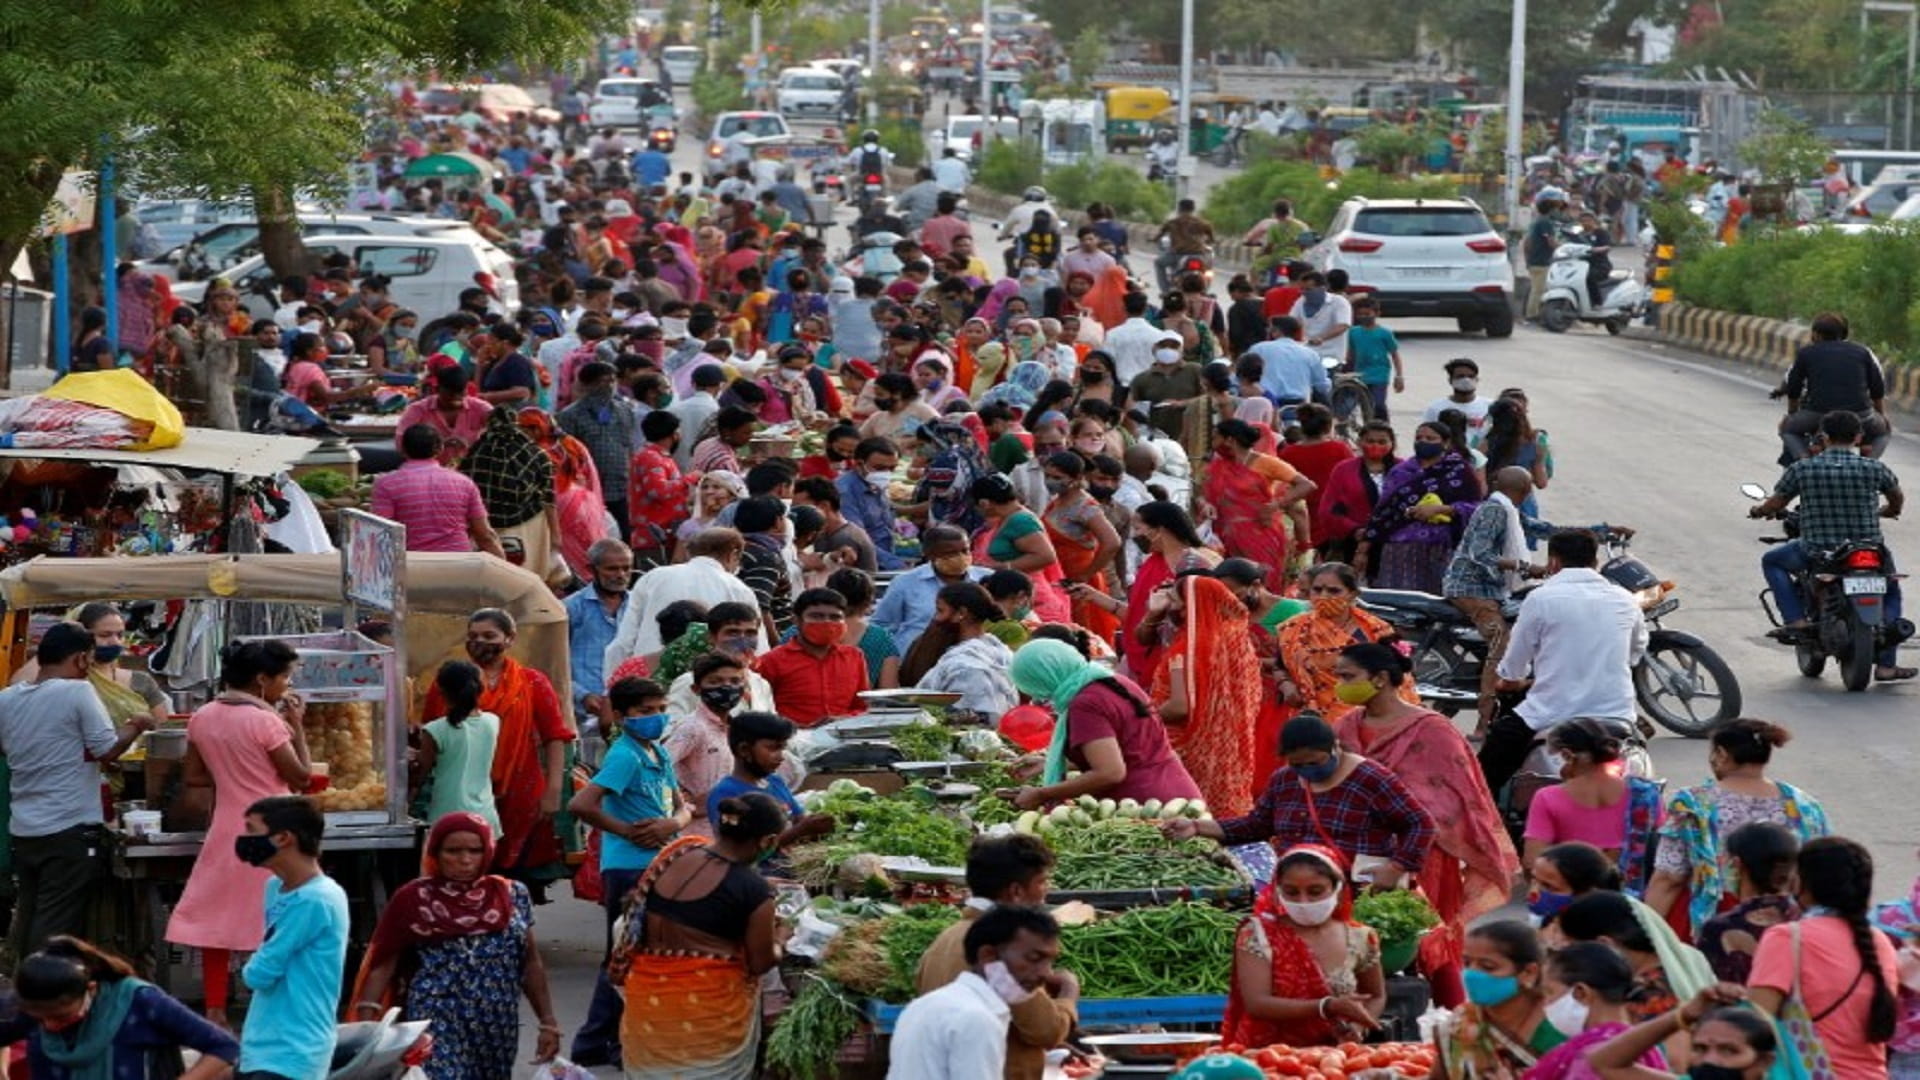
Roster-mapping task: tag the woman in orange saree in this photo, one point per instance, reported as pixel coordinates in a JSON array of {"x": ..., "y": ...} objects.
[
  {"x": 1208, "y": 692},
  {"x": 1311, "y": 641},
  {"x": 1105, "y": 299},
  {"x": 1471, "y": 867},
  {"x": 576, "y": 490},
  {"x": 529, "y": 759},
  {"x": 1248, "y": 494},
  {"x": 1083, "y": 542}
]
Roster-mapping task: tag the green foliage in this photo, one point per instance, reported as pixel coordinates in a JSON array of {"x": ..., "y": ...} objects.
[
  {"x": 1085, "y": 54},
  {"x": 1008, "y": 166},
  {"x": 906, "y": 140},
  {"x": 715, "y": 92},
  {"x": 1873, "y": 278},
  {"x": 1132, "y": 196},
  {"x": 1673, "y": 222},
  {"x": 1248, "y": 197},
  {"x": 1394, "y": 148},
  {"x": 1396, "y": 915},
  {"x": 1784, "y": 148}
]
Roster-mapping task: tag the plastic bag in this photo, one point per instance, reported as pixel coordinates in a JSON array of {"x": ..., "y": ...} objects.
[
  {"x": 557, "y": 1069},
  {"x": 811, "y": 935},
  {"x": 126, "y": 393}
]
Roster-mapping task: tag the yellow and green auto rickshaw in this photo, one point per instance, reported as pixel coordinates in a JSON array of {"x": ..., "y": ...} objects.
[{"x": 1131, "y": 112}]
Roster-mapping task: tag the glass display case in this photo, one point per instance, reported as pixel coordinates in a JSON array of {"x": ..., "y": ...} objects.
[{"x": 355, "y": 724}]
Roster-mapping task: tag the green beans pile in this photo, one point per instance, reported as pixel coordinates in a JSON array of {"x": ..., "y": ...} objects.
[
  {"x": 1077, "y": 871},
  {"x": 1170, "y": 951},
  {"x": 1121, "y": 836}
]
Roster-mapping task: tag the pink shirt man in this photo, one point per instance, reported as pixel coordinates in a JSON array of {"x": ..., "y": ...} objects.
[{"x": 436, "y": 504}]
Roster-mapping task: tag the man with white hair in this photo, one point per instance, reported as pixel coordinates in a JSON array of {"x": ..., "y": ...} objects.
[
  {"x": 593, "y": 619},
  {"x": 1056, "y": 351}
]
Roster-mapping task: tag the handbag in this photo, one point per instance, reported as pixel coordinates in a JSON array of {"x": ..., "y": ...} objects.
[{"x": 1799, "y": 1053}]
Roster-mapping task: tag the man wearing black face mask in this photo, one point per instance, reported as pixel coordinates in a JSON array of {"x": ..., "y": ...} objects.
[
  {"x": 734, "y": 632},
  {"x": 593, "y": 618}
]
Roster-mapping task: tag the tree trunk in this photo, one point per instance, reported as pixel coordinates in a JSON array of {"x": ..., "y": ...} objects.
[{"x": 280, "y": 241}]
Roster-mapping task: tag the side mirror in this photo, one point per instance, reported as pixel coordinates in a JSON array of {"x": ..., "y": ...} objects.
[
  {"x": 1309, "y": 238},
  {"x": 1754, "y": 492}
]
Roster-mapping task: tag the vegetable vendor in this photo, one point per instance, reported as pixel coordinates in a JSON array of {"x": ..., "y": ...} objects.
[
  {"x": 1304, "y": 972},
  {"x": 1105, "y": 726}
]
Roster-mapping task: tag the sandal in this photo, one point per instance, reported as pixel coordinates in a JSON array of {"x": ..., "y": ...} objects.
[{"x": 1894, "y": 674}]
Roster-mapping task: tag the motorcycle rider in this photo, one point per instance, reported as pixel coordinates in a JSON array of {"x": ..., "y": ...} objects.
[
  {"x": 1187, "y": 234},
  {"x": 878, "y": 218},
  {"x": 1028, "y": 225},
  {"x": 868, "y": 159},
  {"x": 1839, "y": 491},
  {"x": 1578, "y": 637},
  {"x": 1163, "y": 157},
  {"x": 920, "y": 201},
  {"x": 1832, "y": 374}
]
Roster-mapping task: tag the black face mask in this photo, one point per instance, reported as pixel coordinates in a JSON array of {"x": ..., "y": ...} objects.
[
  {"x": 254, "y": 850},
  {"x": 1102, "y": 492},
  {"x": 1715, "y": 1072},
  {"x": 722, "y": 699},
  {"x": 1093, "y": 378}
]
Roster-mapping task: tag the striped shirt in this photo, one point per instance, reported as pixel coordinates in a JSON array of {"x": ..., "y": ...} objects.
[{"x": 435, "y": 503}]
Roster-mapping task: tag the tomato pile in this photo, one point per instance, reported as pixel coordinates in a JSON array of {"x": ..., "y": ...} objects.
[{"x": 1337, "y": 1063}]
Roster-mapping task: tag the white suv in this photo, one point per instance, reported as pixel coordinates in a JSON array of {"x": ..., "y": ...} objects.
[
  {"x": 1422, "y": 257},
  {"x": 809, "y": 90}
]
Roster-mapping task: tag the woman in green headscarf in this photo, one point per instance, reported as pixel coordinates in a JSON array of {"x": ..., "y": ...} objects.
[
  {"x": 85, "y": 1017},
  {"x": 1105, "y": 726}
]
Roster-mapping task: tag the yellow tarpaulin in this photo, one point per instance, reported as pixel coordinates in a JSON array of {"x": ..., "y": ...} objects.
[{"x": 125, "y": 392}]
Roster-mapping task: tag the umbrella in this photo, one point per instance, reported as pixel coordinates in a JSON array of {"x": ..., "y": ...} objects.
[{"x": 456, "y": 164}]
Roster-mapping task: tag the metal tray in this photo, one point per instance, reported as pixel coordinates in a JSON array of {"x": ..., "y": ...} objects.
[{"x": 923, "y": 770}]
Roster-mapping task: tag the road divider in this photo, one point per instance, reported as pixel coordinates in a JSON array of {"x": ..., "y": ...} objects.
[{"x": 1762, "y": 343}]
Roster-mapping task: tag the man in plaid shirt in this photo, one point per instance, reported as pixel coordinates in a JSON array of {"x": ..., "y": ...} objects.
[
  {"x": 1839, "y": 492},
  {"x": 609, "y": 426}
]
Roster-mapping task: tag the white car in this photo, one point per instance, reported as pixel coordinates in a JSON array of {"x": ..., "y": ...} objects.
[
  {"x": 223, "y": 246},
  {"x": 428, "y": 272},
  {"x": 842, "y": 66},
  {"x": 750, "y": 125},
  {"x": 628, "y": 103},
  {"x": 809, "y": 90},
  {"x": 961, "y": 133},
  {"x": 682, "y": 63},
  {"x": 1422, "y": 258}
]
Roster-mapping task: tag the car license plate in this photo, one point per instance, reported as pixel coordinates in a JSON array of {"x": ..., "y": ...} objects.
[
  {"x": 1863, "y": 586},
  {"x": 1424, "y": 271}
]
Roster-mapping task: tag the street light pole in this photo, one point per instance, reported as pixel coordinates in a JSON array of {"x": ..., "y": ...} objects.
[
  {"x": 986, "y": 46},
  {"x": 1184, "y": 137},
  {"x": 873, "y": 60},
  {"x": 1516, "y": 114}
]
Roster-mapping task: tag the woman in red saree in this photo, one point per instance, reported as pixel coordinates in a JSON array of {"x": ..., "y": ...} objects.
[
  {"x": 576, "y": 490},
  {"x": 1248, "y": 494},
  {"x": 1304, "y": 973},
  {"x": 1471, "y": 867},
  {"x": 1083, "y": 541},
  {"x": 1208, "y": 691},
  {"x": 1165, "y": 532},
  {"x": 1264, "y": 612},
  {"x": 529, "y": 760},
  {"x": 1105, "y": 301}
]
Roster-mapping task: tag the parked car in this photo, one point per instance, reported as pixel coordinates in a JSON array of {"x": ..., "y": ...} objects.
[
  {"x": 177, "y": 221},
  {"x": 682, "y": 63},
  {"x": 631, "y": 103},
  {"x": 428, "y": 272},
  {"x": 751, "y": 125},
  {"x": 227, "y": 245},
  {"x": 1422, "y": 257},
  {"x": 1879, "y": 200},
  {"x": 849, "y": 70},
  {"x": 809, "y": 90}
]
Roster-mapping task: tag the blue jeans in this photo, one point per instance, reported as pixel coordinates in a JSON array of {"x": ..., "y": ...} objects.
[
  {"x": 1379, "y": 399},
  {"x": 1783, "y": 562},
  {"x": 598, "y": 1039}
]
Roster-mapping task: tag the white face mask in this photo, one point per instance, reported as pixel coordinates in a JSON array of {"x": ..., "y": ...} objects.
[
  {"x": 673, "y": 329},
  {"x": 1005, "y": 984},
  {"x": 878, "y": 481},
  {"x": 1312, "y": 913},
  {"x": 1465, "y": 385},
  {"x": 1166, "y": 356},
  {"x": 1567, "y": 1014}
]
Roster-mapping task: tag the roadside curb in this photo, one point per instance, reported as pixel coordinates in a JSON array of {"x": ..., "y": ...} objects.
[{"x": 1757, "y": 342}]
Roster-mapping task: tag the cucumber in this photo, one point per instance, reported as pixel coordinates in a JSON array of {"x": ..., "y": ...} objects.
[
  {"x": 1027, "y": 822},
  {"x": 1174, "y": 808},
  {"x": 1107, "y": 808},
  {"x": 1128, "y": 808}
]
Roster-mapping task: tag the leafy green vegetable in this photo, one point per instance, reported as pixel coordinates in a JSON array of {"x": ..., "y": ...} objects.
[
  {"x": 326, "y": 483},
  {"x": 806, "y": 1040},
  {"x": 924, "y": 742},
  {"x": 1396, "y": 914}
]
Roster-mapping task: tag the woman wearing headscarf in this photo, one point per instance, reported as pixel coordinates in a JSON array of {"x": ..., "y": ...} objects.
[
  {"x": 578, "y": 504},
  {"x": 933, "y": 374},
  {"x": 1106, "y": 300},
  {"x": 1021, "y": 389},
  {"x": 1470, "y": 869},
  {"x": 679, "y": 269},
  {"x": 946, "y": 487},
  {"x": 978, "y": 361},
  {"x": 1409, "y": 540},
  {"x": 1208, "y": 689},
  {"x": 1304, "y": 972},
  {"x": 1311, "y": 642},
  {"x": 718, "y": 490},
  {"x": 1105, "y": 726},
  {"x": 994, "y": 308},
  {"x": 456, "y": 947}
]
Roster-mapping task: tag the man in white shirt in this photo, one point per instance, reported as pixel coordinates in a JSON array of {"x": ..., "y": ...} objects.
[
  {"x": 706, "y": 577},
  {"x": 696, "y": 409},
  {"x": 1325, "y": 316},
  {"x": 1463, "y": 374},
  {"x": 951, "y": 173},
  {"x": 1579, "y": 637},
  {"x": 1131, "y": 343},
  {"x": 959, "y": 1032}
]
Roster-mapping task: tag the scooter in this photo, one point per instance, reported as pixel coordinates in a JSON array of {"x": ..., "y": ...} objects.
[
  {"x": 1681, "y": 682},
  {"x": 382, "y": 1050},
  {"x": 1843, "y": 593},
  {"x": 1566, "y": 301}
]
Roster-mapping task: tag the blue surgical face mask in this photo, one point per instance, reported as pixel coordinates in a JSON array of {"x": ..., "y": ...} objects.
[
  {"x": 1321, "y": 773},
  {"x": 1548, "y": 904},
  {"x": 645, "y": 728},
  {"x": 1489, "y": 990}
]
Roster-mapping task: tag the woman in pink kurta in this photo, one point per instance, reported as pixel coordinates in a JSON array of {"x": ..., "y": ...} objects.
[{"x": 240, "y": 746}]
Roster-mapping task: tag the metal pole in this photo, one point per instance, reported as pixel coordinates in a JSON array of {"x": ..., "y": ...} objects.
[
  {"x": 1184, "y": 135},
  {"x": 62, "y": 300},
  {"x": 986, "y": 46},
  {"x": 1913, "y": 33},
  {"x": 753, "y": 33},
  {"x": 873, "y": 61},
  {"x": 109, "y": 253},
  {"x": 1516, "y": 112}
]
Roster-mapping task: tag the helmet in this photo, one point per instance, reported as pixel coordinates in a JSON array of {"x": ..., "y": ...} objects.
[
  {"x": 1036, "y": 193},
  {"x": 869, "y": 135},
  {"x": 1220, "y": 1067},
  {"x": 1550, "y": 194}
]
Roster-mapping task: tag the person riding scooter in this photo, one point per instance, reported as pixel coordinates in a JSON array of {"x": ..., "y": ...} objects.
[
  {"x": 1163, "y": 157},
  {"x": 1832, "y": 374},
  {"x": 1599, "y": 239},
  {"x": 1839, "y": 492}
]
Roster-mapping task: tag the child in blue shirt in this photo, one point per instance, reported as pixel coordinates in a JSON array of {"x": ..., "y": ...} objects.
[
  {"x": 295, "y": 977},
  {"x": 1374, "y": 354},
  {"x": 759, "y": 742}
]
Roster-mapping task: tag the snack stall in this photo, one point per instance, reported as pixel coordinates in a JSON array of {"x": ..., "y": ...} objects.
[{"x": 356, "y": 720}]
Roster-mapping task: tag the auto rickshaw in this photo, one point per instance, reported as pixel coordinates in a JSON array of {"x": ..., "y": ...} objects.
[
  {"x": 1131, "y": 113},
  {"x": 1211, "y": 113}
]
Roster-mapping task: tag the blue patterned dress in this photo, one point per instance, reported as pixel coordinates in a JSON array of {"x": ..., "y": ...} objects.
[{"x": 470, "y": 988}]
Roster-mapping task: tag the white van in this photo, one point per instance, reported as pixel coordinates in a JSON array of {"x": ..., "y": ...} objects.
[
  {"x": 428, "y": 272},
  {"x": 809, "y": 90},
  {"x": 681, "y": 62}
]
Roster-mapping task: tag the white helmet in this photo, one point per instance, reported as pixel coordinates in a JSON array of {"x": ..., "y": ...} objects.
[{"x": 1036, "y": 193}]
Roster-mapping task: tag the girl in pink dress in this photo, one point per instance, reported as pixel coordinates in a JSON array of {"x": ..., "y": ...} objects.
[{"x": 243, "y": 748}]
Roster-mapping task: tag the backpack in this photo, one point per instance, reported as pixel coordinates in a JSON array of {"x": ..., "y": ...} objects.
[
  {"x": 872, "y": 163},
  {"x": 1042, "y": 240}
]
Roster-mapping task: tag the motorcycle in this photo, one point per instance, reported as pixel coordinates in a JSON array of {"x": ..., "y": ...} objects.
[
  {"x": 872, "y": 255},
  {"x": 827, "y": 182},
  {"x": 379, "y": 1050},
  {"x": 1349, "y": 398},
  {"x": 1843, "y": 592},
  {"x": 1681, "y": 682},
  {"x": 662, "y": 138},
  {"x": 1567, "y": 301}
]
